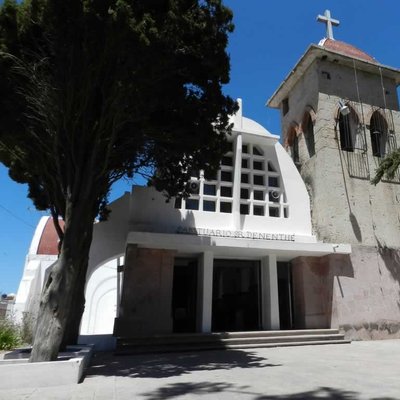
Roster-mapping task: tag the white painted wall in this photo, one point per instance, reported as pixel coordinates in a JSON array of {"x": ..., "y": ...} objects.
[
  {"x": 101, "y": 300},
  {"x": 109, "y": 237},
  {"x": 151, "y": 213},
  {"x": 30, "y": 287},
  {"x": 145, "y": 210}
]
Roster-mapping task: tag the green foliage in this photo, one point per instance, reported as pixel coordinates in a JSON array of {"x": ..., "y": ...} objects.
[
  {"x": 27, "y": 327},
  {"x": 388, "y": 167},
  {"x": 91, "y": 91},
  {"x": 96, "y": 90},
  {"x": 9, "y": 334}
]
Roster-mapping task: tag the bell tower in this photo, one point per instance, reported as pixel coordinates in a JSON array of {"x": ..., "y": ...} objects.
[{"x": 340, "y": 117}]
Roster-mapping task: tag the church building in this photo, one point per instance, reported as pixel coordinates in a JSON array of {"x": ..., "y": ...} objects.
[{"x": 285, "y": 236}]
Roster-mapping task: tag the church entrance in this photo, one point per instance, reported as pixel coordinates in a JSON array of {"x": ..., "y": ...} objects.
[
  {"x": 236, "y": 296},
  {"x": 184, "y": 296}
]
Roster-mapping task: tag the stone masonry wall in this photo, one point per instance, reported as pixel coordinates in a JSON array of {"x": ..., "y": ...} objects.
[
  {"x": 346, "y": 208},
  {"x": 312, "y": 281},
  {"x": 305, "y": 93},
  {"x": 359, "y": 294},
  {"x": 367, "y": 306},
  {"x": 146, "y": 293}
]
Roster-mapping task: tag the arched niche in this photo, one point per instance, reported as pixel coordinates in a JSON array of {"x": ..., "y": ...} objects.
[
  {"x": 349, "y": 129},
  {"x": 378, "y": 128},
  {"x": 292, "y": 142},
  {"x": 307, "y": 125},
  {"x": 101, "y": 294}
]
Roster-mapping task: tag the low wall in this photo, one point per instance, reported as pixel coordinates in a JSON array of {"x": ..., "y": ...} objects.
[{"x": 17, "y": 372}]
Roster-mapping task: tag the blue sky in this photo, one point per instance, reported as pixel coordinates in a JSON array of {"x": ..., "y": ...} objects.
[{"x": 270, "y": 37}]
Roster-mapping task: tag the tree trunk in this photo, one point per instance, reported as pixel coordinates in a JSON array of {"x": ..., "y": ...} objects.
[
  {"x": 71, "y": 332},
  {"x": 63, "y": 284}
]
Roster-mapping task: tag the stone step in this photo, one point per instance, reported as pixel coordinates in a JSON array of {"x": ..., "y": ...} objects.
[
  {"x": 304, "y": 338},
  {"x": 233, "y": 340},
  {"x": 217, "y": 336},
  {"x": 227, "y": 340},
  {"x": 221, "y": 346}
]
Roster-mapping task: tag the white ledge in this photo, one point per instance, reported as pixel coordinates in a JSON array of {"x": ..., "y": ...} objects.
[{"x": 285, "y": 250}]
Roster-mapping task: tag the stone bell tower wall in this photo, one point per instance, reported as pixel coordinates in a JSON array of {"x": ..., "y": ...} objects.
[
  {"x": 304, "y": 93},
  {"x": 360, "y": 295},
  {"x": 346, "y": 208}
]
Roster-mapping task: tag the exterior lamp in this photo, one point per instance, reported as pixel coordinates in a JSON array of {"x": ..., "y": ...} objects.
[{"x": 343, "y": 108}]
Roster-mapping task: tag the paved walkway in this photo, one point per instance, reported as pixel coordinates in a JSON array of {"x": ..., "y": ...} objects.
[{"x": 359, "y": 371}]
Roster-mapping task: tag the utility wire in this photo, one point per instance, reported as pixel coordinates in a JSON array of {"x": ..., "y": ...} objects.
[{"x": 16, "y": 216}]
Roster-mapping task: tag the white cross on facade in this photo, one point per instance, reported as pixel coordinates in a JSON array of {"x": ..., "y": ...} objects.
[{"x": 326, "y": 19}]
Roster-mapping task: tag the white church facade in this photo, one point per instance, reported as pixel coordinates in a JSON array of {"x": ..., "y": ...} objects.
[{"x": 290, "y": 236}]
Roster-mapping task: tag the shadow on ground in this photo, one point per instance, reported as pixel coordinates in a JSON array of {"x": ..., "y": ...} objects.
[
  {"x": 173, "y": 364},
  {"x": 326, "y": 393},
  {"x": 211, "y": 389}
]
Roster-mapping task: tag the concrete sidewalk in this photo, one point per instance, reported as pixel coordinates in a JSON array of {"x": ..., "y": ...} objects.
[{"x": 361, "y": 370}]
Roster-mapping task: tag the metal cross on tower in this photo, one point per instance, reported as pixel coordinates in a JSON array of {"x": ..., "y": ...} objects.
[{"x": 326, "y": 19}]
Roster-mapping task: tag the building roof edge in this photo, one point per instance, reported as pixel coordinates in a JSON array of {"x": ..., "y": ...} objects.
[{"x": 312, "y": 53}]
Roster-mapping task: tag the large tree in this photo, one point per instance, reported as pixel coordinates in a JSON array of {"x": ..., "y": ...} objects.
[{"x": 94, "y": 90}]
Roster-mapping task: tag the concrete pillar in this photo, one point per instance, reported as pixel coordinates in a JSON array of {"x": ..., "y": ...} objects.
[
  {"x": 269, "y": 293},
  {"x": 205, "y": 289},
  {"x": 236, "y": 182},
  {"x": 119, "y": 283},
  {"x": 131, "y": 253}
]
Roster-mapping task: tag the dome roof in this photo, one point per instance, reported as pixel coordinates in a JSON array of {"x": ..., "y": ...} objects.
[
  {"x": 252, "y": 126},
  {"x": 48, "y": 243},
  {"x": 346, "y": 49}
]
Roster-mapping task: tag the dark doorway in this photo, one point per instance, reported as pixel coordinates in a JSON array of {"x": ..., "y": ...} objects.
[
  {"x": 236, "y": 296},
  {"x": 184, "y": 296},
  {"x": 285, "y": 295}
]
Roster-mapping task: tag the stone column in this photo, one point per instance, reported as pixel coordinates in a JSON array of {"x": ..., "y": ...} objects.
[
  {"x": 269, "y": 293},
  {"x": 146, "y": 292},
  {"x": 120, "y": 269},
  {"x": 205, "y": 289},
  {"x": 313, "y": 291}
]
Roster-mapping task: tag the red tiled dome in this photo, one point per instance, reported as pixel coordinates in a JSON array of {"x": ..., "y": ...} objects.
[
  {"x": 345, "y": 48},
  {"x": 48, "y": 244}
]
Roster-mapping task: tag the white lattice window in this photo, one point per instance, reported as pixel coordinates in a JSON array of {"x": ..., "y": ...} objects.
[
  {"x": 215, "y": 194},
  {"x": 261, "y": 191}
]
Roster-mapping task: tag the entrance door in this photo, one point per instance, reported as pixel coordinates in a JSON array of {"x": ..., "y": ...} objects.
[
  {"x": 184, "y": 296},
  {"x": 285, "y": 295},
  {"x": 236, "y": 296}
]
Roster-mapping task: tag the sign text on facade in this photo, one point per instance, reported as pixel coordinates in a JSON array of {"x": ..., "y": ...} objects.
[{"x": 236, "y": 234}]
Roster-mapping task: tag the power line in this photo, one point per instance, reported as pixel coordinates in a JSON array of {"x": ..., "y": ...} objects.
[{"x": 16, "y": 216}]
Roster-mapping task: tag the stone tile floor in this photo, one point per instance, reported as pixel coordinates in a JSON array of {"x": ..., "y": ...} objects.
[{"x": 359, "y": 371}]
